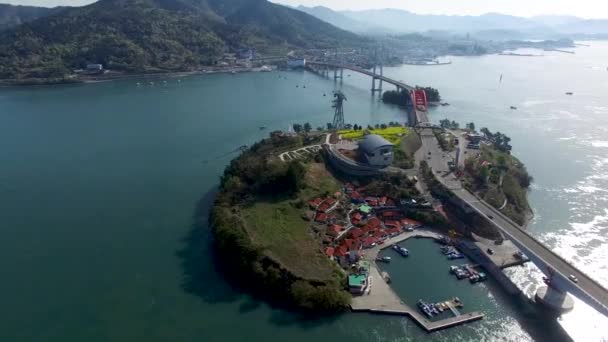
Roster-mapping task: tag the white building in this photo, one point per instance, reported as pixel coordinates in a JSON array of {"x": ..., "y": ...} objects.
[{"x": 376, "y": 150}]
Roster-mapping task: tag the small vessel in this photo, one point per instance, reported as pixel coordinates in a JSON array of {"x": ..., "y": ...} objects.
[
  {"x": 513, "y": 108},
  {"x": 262, "y": 128},
  {"x": 385, "y": 259},
  {"x": 569, "y": 93},
  {"x": 401, "y": 250},
  {"x": 425, "y": 308},
  {"x": 454, "y": 256},
  {"x": 303, "y": 86},
  {"x": 324, "y": 94}
]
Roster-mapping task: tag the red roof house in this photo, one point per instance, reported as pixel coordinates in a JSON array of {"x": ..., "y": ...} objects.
[
  {"x": 321, "y": 217},
  {"x": 356, "y": 233},
  {"x": 329, "y": 251},
  {"x": 374, "y": 222}
]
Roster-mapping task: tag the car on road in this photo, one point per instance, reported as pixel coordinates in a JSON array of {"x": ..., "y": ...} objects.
[
  {"x": 573, "y": 278},
  {"x": 490, "y": 217},
  {"x": 429, "y": 153},
  {"x": 490, "y": 251}
]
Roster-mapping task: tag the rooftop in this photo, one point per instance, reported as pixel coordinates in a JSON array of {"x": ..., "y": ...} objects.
[{"x": 372, "y": 142}]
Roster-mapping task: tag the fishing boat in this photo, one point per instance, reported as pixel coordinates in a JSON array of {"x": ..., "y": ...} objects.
[
  {"x": 424, "y": 307},
  {"x": 569, "y": 93},
  {"x": 262, "y": 128},
  {"x": 385, "y": 259},
  {"x": 513, "y": 108},
  {"x": 401, "y": 250},
  {"x": 454, "y": 256}
]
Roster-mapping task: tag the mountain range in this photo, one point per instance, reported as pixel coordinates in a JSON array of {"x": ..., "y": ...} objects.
[
  {"x": 156, "y": 35},
  {"x": 401, "y": 21}
]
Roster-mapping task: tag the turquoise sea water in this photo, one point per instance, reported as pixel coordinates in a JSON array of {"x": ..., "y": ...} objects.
[{"x": 101, "y": 186}]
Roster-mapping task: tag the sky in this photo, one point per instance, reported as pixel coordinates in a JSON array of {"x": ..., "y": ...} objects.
[{"x": 523, "y": 8}]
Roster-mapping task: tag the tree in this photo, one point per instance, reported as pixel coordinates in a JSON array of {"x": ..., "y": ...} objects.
[
  {"x": 446, "y": 123},
  {"x": 297, "y": 128},
  {"x": 330, "y": 126},
  {"x": 471, "y": 126},
  {"x": 486, "y": 132},
  {"x": 432, "y": 94},
  {"x": 307, "y": 127},
  {"x": 454, "y": 125},
  {"x": 320, "y": 129}
]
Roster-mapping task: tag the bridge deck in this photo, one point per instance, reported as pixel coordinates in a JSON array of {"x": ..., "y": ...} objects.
[{"x": 365, "y": 72}]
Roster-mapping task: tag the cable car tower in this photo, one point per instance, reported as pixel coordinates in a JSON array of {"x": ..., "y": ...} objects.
[{"x": 338, "y": 102}]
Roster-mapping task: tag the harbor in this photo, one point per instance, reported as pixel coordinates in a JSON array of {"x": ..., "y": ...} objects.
[{"x": 383, "y": 299}]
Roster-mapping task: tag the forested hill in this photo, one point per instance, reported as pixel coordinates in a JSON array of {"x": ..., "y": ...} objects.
[
  {"x": 11, "y": 16},
  {"x": 157, "y": 35}
]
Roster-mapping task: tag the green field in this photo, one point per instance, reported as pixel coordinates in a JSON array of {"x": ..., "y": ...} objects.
[
  {"x": 392, "y": 134},
  {"x": 279, "y": 228}
]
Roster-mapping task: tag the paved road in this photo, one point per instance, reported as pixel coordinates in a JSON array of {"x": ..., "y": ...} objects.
[{"x": 586, "y": 289}]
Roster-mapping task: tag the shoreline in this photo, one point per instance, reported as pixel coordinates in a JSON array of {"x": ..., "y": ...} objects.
[{"x": 117, "y": 77}]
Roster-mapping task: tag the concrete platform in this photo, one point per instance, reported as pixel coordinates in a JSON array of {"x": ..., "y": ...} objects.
[{"x": 503, "y": 255}]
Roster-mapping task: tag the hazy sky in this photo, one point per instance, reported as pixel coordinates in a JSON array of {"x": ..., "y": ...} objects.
[{"x": 581, "y": 8}]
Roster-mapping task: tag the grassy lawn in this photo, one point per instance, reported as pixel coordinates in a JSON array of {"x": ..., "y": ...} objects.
[
  {"x": 279, "y": 228},
  {"x": 319, "y": 181},
  {"x": 392, "y": 134}
]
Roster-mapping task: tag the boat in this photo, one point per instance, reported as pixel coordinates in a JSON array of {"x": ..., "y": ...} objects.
[
  {"x": 569, "y": 93},
  {"x": 424, "y": 307},
  {"x": 513, "y": 108},
  {"x": 454, "y": 256},
  {"x": 401, "y": 250},
  {"x": 262, "y": 127},
  {"x": 386, "y": 259}
]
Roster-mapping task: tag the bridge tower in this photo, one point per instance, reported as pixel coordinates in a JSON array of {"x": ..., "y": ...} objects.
[
  {"x": 378, "y": 66},
  {"x": 338, "y": 61},
  {"x": 338, "y": 105}
]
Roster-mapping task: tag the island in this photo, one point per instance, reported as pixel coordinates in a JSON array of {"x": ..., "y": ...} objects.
[
  {"x": 285, "y": 222},
  {"x": 299, "y": 214}
]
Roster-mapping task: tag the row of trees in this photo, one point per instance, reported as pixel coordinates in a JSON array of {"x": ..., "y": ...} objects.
[
  {"x": 500, "y": 141},
  {"x": 447, "y": 124}
]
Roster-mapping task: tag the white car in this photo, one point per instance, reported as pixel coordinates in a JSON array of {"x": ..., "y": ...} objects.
[{"x": 573, "y": 278}]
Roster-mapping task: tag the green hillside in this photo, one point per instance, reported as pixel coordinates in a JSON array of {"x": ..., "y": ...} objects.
[
  {"x": 156, "y": 36},
  {"x": 11, "y": 16}
]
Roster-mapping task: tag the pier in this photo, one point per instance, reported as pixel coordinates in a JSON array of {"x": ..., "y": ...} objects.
[{"x": 383, "y": 300}]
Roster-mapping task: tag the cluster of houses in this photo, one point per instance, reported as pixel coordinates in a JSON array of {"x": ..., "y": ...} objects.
[{"x": 365, "y": 222}]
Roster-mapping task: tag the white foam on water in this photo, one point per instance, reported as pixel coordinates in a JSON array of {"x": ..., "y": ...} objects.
[{"x": 599, "y": 143}]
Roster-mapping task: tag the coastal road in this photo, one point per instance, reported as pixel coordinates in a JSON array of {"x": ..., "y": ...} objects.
[{"x": 550, "y": 263}]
